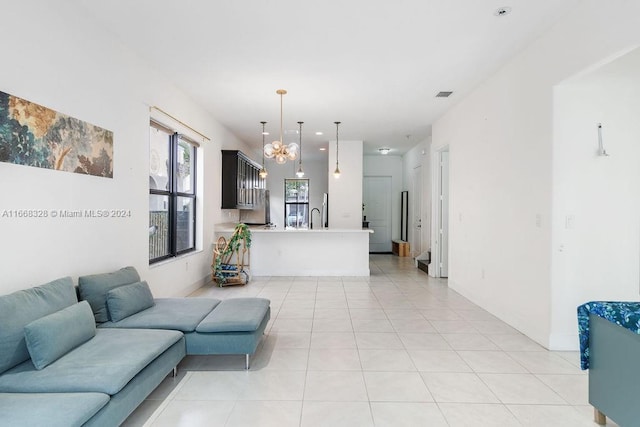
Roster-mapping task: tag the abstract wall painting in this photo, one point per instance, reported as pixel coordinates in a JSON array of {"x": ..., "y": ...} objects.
[{"x": 33, "y": 135}]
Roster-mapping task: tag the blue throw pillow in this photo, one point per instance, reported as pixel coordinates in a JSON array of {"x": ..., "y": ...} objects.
[
  {"x": 94, "y": 289},
  {"x": 126, "y": 300},
  {"x": 53, "y": 336}
]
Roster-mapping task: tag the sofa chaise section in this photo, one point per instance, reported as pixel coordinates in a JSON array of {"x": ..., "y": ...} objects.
[{"x": 210, "y": 326}]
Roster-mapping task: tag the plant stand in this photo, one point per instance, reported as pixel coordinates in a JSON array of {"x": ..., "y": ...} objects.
[{"x": 229, "y": 258}]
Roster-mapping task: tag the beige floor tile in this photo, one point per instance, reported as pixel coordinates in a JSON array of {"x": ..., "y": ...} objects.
[
  {"x": 515, "y": 342},
  {"x": 458, "y": 388},
  {"x": 335, "y": 386},
  {"x": 378, "y": 340},
  {"x": 538, "y": 362},
  {"x": 473, "y": 341},
  {"x": 332, "y": 325},
  {"x": 289, "y": 340},
  {"x": 386, "y": 360},
  {"x": 553, "y": 416},
  {"x": 572, "y": 388},
  {"x": 491, "y": 362},
  {"x": 281, "y": 359},
  {"x": 521, "y": 389},
  {"x": 406, "y": 414},
  {"x": 437, "y": 314},
  {"x": 453, "y": 326},
  {"x": 375, "y": 325},
  {"x": 333, "y": 340},
  {"x": 213, "y": 386},
  {"x": 292, "y": 325},
  {"x": 274, "y": 385},
  {"x": 424, "y": 341},
  {"x": 477, "y": 415},
  {"x": 338, "y": 359},
  {"x": 336, "y": 414},
  {"x": 194, "y": 414},
  {"x": 265, "y": 414},
  {"x": 396, "y": 387},
  {"x": 367, "y": 313},
  {"x": 438, "y": 361},
  {"x": 412, "y": 325}
]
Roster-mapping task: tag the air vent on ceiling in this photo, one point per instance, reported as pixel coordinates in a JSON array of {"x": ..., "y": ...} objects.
[{"x": 443, "y": 94}]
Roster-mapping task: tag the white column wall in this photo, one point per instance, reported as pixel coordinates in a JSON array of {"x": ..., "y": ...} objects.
[
  {"x": 62, "y": 59},
  {"x": 500, "y": 139},
  {"x": 596, "y": 220},
  {"x": 345, "y": 193}
]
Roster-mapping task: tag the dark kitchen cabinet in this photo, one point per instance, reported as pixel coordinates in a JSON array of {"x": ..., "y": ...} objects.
[{"x": 241, "y": 180}]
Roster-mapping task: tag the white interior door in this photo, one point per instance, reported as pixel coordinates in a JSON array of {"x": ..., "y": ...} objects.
[
  {"x": 415, "y": 200},
  {"x": 444, "y": 214},
  {"x": 377, "y": 201}
]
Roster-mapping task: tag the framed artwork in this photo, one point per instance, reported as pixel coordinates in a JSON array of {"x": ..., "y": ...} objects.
[{"x": 33, "y": 135}]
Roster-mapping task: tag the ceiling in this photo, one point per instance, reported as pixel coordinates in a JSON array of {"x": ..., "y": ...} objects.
[{"x": 376, "y": 66}]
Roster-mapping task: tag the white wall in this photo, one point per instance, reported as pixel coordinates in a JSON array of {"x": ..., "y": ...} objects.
[
  {"x": 66, "y": 62},
  {"x": 500, "y": 138},
  {"x": 314, "y": 170},
  {"x": 345, "y": 193},
  {"x": 389, "y": 166},
  {"x": 596, "y": 218}
]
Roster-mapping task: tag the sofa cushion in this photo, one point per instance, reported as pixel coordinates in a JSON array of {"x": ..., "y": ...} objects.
[
  {"x": 50, "y": 409},
  {"x": 236, "y": 315},
  {"x": 94, "y": 289},
  {"x": 178, "y": 314},
  {"x": 21, "y": 308},
  {"x": 126, "y": 300},
  {"x": 104, "y": 364},
  {"x": 53, "y": 336}
]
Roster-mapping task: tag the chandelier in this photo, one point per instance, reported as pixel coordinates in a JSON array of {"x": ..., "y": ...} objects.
[{"x": 278, "y": 149}]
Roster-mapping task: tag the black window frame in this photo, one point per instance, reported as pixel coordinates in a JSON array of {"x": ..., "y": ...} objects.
[
  {"x": 173, "y": 194},
  {"x": 296, "y": 203}
]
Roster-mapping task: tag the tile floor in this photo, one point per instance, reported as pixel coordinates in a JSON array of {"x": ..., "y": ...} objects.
[{"x": 395, "y": 349}]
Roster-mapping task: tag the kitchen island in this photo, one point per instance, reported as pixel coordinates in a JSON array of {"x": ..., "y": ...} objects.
[{"x": 302, "y": 252}]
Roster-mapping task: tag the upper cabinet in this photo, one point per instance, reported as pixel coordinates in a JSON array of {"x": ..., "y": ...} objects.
[{"x": 241, "y": 182}]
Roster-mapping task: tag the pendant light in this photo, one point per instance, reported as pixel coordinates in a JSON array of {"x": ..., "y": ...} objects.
[
  {"x": 336, "y": 173},
  {"x": 263, "y": 172},
  {"x": 300, "y": 172},
  {"x": 278, "y": 149}
]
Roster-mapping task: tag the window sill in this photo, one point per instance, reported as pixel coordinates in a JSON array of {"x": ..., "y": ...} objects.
[{"x": 175, "y": 259}]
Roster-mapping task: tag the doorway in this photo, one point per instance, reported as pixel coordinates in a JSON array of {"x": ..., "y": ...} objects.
[
  {"x": 441, "y": 214},
  {"x": 416, "y": 211},
  {"x": 377, "y": 209}
]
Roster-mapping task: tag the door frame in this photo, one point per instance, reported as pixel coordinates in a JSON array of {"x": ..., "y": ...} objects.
[
  {"x": 390, "y": 218},
  {"x": 416, "y": 203},
  {"x": 436, "y": 224}
]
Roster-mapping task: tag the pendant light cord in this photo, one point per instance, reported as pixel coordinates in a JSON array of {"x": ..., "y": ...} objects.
[{"x": 337, "y": 143}]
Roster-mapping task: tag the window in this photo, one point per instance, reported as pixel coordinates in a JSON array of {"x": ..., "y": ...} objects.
[
  {"x": 172, "y": 193},
  {"x": 296, "y": 203}
]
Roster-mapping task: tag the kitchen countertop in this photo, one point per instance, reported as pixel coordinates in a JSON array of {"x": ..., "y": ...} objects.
[{"x": 229, "y": 227}]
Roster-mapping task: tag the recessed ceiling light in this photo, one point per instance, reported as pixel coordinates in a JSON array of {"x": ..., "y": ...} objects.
[
  {"x": 384, "y": 151},
  {"x": 323, "y": 148},
  {"x": 319, "y": 133},
  {"x": 503, "y": 11},
  {"x": 265, "y": 133}
]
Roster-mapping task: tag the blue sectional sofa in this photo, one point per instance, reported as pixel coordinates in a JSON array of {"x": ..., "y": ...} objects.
[{"x": 91, "y": 361}]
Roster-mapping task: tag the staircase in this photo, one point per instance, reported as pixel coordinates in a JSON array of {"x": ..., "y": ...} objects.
[{"x": 423, "y": 264}]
